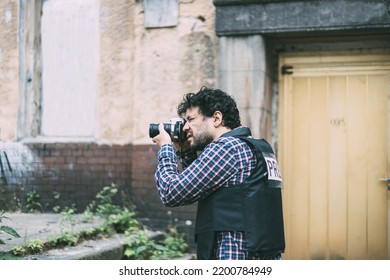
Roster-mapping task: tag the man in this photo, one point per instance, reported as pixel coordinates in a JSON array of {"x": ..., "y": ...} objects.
[{"x": 233, "y": 177}]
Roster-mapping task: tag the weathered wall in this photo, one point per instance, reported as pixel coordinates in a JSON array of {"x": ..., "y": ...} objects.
[
  {"x": 170, "y": 62},
  {"x": 142, "y": 75},
  {"x": 8, "y": 68},
  {"x": 143, "y": 72},
  {"x": 117, "y": 73}
]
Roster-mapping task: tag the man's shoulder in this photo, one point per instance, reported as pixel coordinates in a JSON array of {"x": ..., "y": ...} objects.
[
  {"x": 229, "y": 140},
  {"x": 232, "y": 143}
]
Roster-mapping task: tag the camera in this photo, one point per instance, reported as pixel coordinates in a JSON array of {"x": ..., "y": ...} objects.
[{"x": 174, "y": 129}]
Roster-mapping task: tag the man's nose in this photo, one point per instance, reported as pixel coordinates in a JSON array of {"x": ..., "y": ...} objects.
[{"x": 186, "y": 127}]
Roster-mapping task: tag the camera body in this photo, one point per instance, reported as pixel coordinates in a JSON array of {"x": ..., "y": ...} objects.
[{"x": 174, "y": 129}]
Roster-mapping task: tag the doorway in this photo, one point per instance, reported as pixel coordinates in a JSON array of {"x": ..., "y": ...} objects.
[{"x": 334, "y": 155}]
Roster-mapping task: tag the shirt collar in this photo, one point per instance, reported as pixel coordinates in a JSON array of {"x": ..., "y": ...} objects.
[{"x": 239, "y": 131}]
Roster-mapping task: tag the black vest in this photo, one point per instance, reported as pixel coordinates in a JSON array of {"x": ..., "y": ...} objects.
[{"x": 254, "y": 207}]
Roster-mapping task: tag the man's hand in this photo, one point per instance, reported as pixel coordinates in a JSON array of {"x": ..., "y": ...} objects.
[{"x": 163, "y": 137}]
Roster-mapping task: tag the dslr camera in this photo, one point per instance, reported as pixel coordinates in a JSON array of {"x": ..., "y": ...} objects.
[{"x": 174, "y": 129}]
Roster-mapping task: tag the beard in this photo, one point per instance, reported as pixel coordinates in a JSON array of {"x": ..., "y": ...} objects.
[{"x": 201, "y": 140}]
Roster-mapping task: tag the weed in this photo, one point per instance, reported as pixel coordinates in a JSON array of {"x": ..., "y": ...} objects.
[
  {"x": 30, "y": 248},
  {"x": 141, "y": 247},
  {"x": 105, "y": 206},
  {"x": 68, "y": 216},
  {"x": 123, "y": 222},
  {"x": 88, "y": 214},
  {"x": 6, "y": 229},
  {"x": 65, "y": 239},
  {"x": 32, "y": 202},
  {"x": 120, "y": 219}
]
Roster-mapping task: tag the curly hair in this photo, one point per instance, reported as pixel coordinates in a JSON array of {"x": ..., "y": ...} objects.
[{"x": 210, "y": 100}]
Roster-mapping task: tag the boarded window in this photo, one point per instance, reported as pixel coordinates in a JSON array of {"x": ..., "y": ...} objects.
[{"x": 70, "y": 47}]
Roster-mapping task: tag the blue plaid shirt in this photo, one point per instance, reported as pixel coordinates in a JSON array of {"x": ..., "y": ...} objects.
[{"x": 224, "y": 162}]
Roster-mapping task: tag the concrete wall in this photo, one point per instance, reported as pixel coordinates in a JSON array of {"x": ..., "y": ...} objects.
[{"x": 243, "y": 72}]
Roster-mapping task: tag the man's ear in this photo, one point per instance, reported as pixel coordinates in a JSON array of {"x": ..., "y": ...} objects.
[{"x": 218, "y": 121}]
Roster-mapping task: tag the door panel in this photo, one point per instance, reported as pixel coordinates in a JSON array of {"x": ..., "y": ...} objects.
[{"x": 333, "y": 131}]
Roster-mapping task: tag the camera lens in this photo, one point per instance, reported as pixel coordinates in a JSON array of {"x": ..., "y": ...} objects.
[{"x": 153, "y": 130}]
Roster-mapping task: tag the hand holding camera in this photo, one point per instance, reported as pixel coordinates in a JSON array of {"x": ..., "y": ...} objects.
[{"x": 175, "y": 131}]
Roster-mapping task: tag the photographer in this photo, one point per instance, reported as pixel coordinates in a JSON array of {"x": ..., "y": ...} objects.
[{"x": 233, "y": 177}]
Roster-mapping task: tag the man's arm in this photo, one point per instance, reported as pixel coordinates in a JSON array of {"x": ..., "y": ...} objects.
[{"x": 211, "y": 169}]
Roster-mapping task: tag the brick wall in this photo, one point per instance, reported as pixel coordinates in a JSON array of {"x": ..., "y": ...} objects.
[{"x": 77, "y": 171}]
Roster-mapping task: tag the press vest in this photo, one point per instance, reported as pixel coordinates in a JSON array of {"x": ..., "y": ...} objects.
[{"x": 253, "y": 207}]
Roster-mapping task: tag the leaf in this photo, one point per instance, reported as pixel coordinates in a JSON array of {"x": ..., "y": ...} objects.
[
  {"x": 140, "y": 249},
  {"x": 129, "y": 252},
  {"x": 159, "y": 247},
  {"x": 3, "y": 217},
  {"x": 10, "y": 231}
]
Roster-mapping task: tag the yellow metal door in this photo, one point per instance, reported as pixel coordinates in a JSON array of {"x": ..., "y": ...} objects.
[{"x": 334, "y": 155}]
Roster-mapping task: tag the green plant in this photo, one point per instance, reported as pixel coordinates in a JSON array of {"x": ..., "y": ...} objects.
[
  {"x": 32, "y": 247},
  {"x": 88, "y": 214},
  {"x": 68, "y": 215},
  {"x": 32, "y": 202},
  {"x": 118, "y": 218},
  {"x": 123, "y": 222},
  {"x": 6, "y": 229},
  {"x": 175, "y": 247},
  {"x": 105, "y": 206},
  {"x": 57, "y": 197},
  {"x": 141, "y": 247},
  {"x": 65, "y": 239}
]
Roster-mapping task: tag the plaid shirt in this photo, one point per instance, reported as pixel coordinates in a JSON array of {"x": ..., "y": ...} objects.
[{"x": 224, "y": 162}]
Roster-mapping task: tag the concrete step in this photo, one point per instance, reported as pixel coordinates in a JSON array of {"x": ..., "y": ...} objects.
[
  {"x": 45, "y": 227},
  {"x": 110, "y": 248}
]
